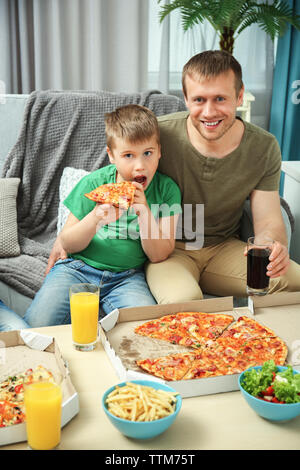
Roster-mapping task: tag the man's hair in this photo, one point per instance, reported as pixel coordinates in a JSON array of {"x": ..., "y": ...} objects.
[
  {"x": 209, "y": 64},
  {"x": 132, "y": 122}
]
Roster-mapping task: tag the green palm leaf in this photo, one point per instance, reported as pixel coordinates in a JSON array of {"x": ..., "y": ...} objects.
[{"x": 233, "y": 16}]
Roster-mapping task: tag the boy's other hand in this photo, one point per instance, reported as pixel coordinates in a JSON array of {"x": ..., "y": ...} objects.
[
  {"x": 107, "y": 214},
  {"x": 57, "y": 253},
  {"x": 139, "y": 200}
]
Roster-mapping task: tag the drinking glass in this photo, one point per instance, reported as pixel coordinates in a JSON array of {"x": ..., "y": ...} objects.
[
  {"x": 84, "y": 306},
  {"x": 258, "y": 251},
  {"x": 43, "y": 404}
]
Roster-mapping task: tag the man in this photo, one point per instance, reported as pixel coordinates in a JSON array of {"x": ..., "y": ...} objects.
[{"x": 219, "y": 161}]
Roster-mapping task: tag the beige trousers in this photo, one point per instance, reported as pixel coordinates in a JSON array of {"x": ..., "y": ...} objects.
[{"x": 216, "y": 270}]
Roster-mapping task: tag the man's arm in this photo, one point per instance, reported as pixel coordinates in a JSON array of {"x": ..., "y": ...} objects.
[
  {"x": 157, "y": 238},
  {"x": 267, "y": 219}
]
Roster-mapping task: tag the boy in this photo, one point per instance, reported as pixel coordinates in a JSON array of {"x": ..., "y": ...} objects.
[{"x": 109, "y": 246}]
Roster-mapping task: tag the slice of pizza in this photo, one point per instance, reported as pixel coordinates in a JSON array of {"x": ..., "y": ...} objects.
[
  {"x": 202, "y": 327},
  {"x": 12, "y": 409},
  {"x": 167, "y": 328},
  {"x": 190, "y": 329},
  {"x": 171, "y": 367},
  {"x": 205, "y": 365},
  {"x": 246, "y": 328},
  {"x": 118, "y": 194},
  {"x": 256, "y": 351}
]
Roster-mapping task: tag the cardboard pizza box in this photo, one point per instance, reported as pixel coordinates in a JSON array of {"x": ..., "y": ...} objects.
[
  {"x": 280, "y": 312},
  {"x": 21, "y": 350}
]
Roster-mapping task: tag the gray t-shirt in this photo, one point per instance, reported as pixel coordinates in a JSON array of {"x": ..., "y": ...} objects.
[{"x": 224, "y": 184}]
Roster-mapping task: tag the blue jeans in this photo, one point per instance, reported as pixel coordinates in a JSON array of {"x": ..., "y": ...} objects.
[
  {"x": 51, "y": 305},
  {"x": 9, "y": 320}
]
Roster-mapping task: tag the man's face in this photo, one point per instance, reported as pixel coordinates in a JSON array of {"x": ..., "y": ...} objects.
[
  {"x": 135, "y": 161},
  {"x": 212, "y": 103}
]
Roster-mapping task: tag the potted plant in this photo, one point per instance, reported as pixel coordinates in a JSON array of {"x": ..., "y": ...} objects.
[{"x": 230, "y": 17}]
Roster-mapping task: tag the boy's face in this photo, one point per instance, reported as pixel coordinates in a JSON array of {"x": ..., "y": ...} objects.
[{"x": 135, "y": 161}]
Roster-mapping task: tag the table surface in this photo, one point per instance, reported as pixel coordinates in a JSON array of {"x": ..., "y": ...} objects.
[{"x": 220, "y": 421}]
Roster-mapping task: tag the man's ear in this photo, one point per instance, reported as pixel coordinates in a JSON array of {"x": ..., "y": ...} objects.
[
  {"x": 240, "y": 96},
  {"x": 110, "y": 155}
]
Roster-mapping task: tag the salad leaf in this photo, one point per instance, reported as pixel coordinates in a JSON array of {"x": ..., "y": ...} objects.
[
  {"x": 287, "y": 390},
  {"x": 255, "y": 381},
  {"x": 287, "y": 374}
]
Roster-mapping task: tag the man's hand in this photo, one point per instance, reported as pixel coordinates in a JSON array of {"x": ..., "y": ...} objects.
[
  {"x": 57, "y": 253},
  {"x": 279, "y": 260}
]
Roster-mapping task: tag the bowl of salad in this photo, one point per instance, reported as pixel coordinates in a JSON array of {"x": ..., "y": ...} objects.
[{"x": 272, "y": 391}]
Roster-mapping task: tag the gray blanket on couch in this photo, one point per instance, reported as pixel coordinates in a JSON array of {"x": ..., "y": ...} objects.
[{"x": 59, "y": 129}]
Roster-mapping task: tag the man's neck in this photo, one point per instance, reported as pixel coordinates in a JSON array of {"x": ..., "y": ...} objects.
[{"x": 221, "y": 147}]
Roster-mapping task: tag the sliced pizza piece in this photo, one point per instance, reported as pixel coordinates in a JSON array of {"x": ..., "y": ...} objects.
[
  {"x": 167, "y": 328},
  {"x": 256, "y": 351},
  {"x": 118, "y": 194},
  {"x": 246, "y": 328},
  {"x": 201, "y": 327},
  {"x": 171, "y": 367},
  {"x": 204, "y": 365},
  {"x": 11, "y": 413},
  {"x": 12, "y": 410},
  {"x": 190, "y": 329}
]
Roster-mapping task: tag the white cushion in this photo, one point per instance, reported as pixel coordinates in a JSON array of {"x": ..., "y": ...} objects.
[{"x": 69, "y": 179}]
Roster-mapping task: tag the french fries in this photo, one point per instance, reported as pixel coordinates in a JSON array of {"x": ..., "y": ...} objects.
[{"x": 136, "y": 402}]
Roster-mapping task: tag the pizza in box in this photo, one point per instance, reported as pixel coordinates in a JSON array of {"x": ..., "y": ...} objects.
[{"x": 219, "y": 345}]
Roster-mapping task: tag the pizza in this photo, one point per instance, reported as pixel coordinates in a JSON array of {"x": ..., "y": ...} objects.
[
  {"x": 219, "y": 345},
  {"x": 191, "y": 329},
  {"x": 12, "y": 394},
  {"x": 246, "y": 328},
  {"x": 172, "y": 367},
  {"x": 118, "y": 194}
]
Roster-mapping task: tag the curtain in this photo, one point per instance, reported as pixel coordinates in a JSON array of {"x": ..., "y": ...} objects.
[
  {"x": 285, "y": 110},
  {"x": 73, "y": 45},
  {"x": 170, "y": 48}
]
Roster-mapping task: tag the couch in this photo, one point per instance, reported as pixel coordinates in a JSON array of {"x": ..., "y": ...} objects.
[{"x": 12, "y": 125}]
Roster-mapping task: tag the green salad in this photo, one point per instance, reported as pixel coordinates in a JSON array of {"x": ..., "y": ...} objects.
[{"x": 271, "y": 385}]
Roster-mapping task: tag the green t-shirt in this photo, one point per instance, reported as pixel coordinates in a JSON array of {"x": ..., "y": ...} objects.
[
  {"x": 117, "y": 246},
  {"x": 224, "y": 184}
]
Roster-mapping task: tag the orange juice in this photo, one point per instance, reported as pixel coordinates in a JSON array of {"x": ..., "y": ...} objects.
[
  {"x": 84, "y": 317},
  {"x": 43, "y": 414}
]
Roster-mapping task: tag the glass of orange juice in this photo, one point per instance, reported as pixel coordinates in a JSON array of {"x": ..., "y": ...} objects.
[
  {"x": 43, "y": 402},
  {"x": 84, "y": 306}
]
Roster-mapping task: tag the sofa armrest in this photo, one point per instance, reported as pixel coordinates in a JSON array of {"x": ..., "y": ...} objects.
[{"x": 247, "y": 226}]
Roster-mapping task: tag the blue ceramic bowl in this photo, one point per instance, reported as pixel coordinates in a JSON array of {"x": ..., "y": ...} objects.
[
  {"x": 268, "y": 410},
  {"x": 147, "y": 429}
]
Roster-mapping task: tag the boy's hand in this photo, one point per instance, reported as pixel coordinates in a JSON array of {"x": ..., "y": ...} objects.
[
  {"x": 57, "y": 253},
  {"x": 107, "y": 214},
  {"x": 139, "y": 201}
]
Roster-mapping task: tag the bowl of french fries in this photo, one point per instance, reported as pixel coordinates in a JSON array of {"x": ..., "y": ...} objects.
[{"x": 141, "y": 409}]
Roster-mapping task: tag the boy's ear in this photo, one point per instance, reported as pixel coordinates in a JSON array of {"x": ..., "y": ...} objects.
[
  {"x": 159, "y": 148},
  {"x": 110, "y": 155}
]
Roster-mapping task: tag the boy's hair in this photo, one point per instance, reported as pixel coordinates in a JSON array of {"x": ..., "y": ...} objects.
[
  {"x": 132, "y": 122},
  {"x": 211, "y": 64}
]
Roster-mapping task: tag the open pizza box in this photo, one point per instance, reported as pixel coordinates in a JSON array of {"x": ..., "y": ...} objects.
[
  {"x": 280, "y": 312},
  {"x": 25, "y": 349}
]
